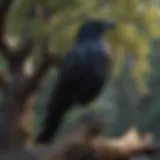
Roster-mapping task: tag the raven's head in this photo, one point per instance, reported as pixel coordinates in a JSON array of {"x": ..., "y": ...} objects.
[{"x": 94, "y": 28}]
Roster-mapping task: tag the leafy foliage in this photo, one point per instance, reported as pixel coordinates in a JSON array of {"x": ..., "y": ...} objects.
[{"x": 138, "y": 23}]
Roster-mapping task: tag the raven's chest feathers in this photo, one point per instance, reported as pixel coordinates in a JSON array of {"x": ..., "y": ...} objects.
[{"x": 85, "y": 69}]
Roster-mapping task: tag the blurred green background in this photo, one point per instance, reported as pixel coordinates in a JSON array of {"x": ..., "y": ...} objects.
[{"x": 132, "y": 95}]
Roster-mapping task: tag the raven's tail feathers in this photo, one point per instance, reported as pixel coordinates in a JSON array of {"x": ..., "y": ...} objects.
[{"x": 56, "y": 109}]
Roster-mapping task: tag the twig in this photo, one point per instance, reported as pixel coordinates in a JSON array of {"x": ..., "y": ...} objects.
[{"x": 4, "y": 9}]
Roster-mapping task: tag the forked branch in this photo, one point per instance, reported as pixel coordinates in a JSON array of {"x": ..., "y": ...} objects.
[
  {"x": 11, "y": 55},
  {"x": 25, "y": 50},
  {"x": 33, "y": 82}
]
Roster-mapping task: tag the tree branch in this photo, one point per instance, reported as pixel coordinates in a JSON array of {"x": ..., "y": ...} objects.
[
  {"x": 76, "y": 145},
  {"x": 4, "y": 9},
  {"x": 4, "y": 78},
  {"x": 34, "y": 155},
  {"x": 34, "y": 81},
  {"x": 18, "y": 154},
  {"x": 24, "y": 51},
  {"x": 36, "y": 78},
  {"x": 5, "y": 49}
]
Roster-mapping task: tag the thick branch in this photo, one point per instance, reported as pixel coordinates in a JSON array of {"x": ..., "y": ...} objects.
[
  {"x": 34, "y": 81},
  {"x": 74, "y": 142},
  {"x": 74, "y": 145},
  {"x": 36, "y": 78},
  {"x": 20, "y": 154},
  {"x": 25, "y": 155},
  {"x": 5, "y": 49},
  {"x": 151, "y": 150},
  {"x": 4, "y": 9},
  {"x": 24, "y": 51},
  {"x": 4, "y": 78}
]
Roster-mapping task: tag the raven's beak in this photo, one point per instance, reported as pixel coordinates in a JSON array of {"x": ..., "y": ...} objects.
[{"x": 110, "y": 24}]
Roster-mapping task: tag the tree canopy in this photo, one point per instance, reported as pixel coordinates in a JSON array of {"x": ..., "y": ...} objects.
[{"x": 138, "y": 24}]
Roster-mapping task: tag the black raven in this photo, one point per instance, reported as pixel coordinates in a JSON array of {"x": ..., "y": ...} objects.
[{"x": 82, "y": 75}]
